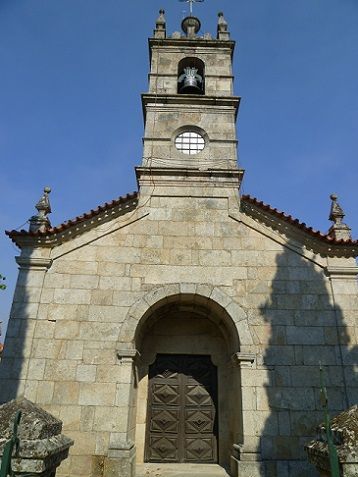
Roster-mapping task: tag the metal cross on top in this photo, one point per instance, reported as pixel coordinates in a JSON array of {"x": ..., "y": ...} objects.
[{"x": 191, "y": 4}]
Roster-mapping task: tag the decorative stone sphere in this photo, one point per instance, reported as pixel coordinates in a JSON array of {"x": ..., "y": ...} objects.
[{"x": 191, "y": 22}]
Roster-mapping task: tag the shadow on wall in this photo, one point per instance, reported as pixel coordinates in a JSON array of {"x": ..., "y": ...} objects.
[
  {"x": 305, "y": 329},
  {"x": 14, "y": 361}
]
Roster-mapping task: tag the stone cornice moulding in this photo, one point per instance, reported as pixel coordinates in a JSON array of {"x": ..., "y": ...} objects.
[
  {"x": 196, "y": 41},
  {"x": 169, "y": 139},
  {"x": 281, "y": 231},
  {"x": 277, "y": 236},
  {"x": 346, "y": 273},
  {"x": 127, "y": 355},
  {"x": 195, "y": 108},
  {"x": 26, "y": 263},
  {"x": 175, "y": 75},
  {"x": 57, "y": 237},
  {"x": 168, "y": 175},
  {"x": 117, "y": 226},
  {"x": 244, "y": 360},
  {"x": 164, "y": 100}
]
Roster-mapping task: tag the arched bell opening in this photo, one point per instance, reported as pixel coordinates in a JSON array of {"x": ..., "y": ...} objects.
[
  {"x": 191, "y": 76},
  {"x": 191, "y": 338}
]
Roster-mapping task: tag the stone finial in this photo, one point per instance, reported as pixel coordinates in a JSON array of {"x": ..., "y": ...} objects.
[
  {"x": 338, "y": 230},
  {"x": 160, "y": 26},
  {"x": 40, "y": 222},
  {"x": 223, "y": 31}
]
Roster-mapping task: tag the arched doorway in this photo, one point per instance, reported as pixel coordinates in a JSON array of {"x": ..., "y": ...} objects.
[{"x": 189, "y": 393}]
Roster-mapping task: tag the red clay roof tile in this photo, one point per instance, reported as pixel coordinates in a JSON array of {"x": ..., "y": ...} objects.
[
  {"x": 301, "y": 225},
  {"x": 129, "y": 197},
  {"x": 77, "y": 220}
]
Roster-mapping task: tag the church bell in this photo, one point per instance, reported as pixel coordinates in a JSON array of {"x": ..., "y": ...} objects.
[{"x": 190, "y": 82}]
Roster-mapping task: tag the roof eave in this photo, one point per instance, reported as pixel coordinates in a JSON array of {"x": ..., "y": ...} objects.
[
  {"x": 310, "y": 238},
  {"x": 72, "y": 228}
]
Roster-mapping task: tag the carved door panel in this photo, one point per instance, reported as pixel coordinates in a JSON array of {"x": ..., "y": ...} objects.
[{"x": 182, "y": 410}]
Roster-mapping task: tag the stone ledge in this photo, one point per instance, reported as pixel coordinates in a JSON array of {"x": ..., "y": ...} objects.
[
  {"x": 243, "y": 359},
  {"x": 34, "y": 263},
  {"x": 350, "y": 273},
  {"x": 127, "y": 354}
]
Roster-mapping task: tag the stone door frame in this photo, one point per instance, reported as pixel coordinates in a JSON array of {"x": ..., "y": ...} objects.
[{"x": 233, "y": 322}]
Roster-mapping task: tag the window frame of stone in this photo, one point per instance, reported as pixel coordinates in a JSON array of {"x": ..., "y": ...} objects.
[{"x": 189, "y": 142}]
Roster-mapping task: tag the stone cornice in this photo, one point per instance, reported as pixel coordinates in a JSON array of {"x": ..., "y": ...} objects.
[
  {"x": 127, "y": 355},
  {"x": 243, "y": 359},
  {"x": 162, "y": 100},
  {"x": 34, "y": 263},
  {"x": 299, "y": 234},
  {"x": 188, "y": 171},
  {"x": 72, "y": 229},
  {"x": 346, "y": 273},
  {"x": 175, "y": 75},
  {"x": 169, "y": 139},
  {"x": 174, "y": 175},
  {"x": 190, "y": 99},
  {"x": 196, "y": 43}
]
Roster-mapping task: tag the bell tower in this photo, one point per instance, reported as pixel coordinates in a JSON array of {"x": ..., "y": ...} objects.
[{"x": 190, "y": 110}]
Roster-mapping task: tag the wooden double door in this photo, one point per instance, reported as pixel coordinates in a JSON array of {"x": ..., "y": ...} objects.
[{"x": 182, "y": 419}]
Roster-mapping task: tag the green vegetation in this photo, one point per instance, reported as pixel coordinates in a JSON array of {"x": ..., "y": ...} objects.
[
  {"x": 333, "y": 457},
  {"x": 2, "y": 285}
]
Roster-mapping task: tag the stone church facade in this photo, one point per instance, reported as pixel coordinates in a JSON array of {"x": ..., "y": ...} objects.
[{"x": 185, "y": 323}]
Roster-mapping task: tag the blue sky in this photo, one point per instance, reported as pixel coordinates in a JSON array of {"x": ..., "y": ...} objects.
[{"x": 70, "y": 114}]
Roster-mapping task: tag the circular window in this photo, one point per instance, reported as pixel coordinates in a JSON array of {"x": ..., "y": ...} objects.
[{"x": 189, "y": 142}]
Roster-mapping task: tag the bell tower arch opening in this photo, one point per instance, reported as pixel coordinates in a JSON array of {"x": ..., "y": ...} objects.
[
  {"x": 184, "y": 412},
  {"x": 191, "y": 76}
]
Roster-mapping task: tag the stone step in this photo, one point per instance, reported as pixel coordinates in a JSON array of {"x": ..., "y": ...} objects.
[{"x": 180, "y": 470}]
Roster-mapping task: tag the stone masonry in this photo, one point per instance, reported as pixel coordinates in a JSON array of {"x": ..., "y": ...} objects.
[
  {"x": 40, "y": 447},
  {"x": 189, "y": 266}
]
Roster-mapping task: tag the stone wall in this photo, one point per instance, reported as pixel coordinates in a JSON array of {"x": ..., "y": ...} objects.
[
  {"x": 77, "y": 323},
  {"x": 165, "y": 59}
]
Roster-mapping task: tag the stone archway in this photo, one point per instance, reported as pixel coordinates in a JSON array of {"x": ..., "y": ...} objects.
[
  {"x": 162, "y": 322},
  {"x": 236, "y": 317}
]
